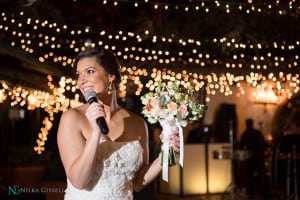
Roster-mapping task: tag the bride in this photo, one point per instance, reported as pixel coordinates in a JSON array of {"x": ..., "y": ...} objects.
[{"x": 97, "y": 165}]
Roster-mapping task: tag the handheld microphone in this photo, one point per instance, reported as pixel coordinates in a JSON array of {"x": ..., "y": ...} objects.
[{"x": 90, "y": 97}]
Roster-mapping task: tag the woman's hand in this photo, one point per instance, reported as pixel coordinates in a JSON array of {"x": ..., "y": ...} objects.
[
  {"x": 174, "y": 140},
  {"x": 94, "y": 111}
]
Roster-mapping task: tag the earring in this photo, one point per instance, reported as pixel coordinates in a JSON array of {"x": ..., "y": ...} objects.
[{"x": 110, "y": 88}]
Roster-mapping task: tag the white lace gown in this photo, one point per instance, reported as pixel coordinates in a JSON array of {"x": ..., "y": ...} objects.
[{"x": 116, "y": 163}]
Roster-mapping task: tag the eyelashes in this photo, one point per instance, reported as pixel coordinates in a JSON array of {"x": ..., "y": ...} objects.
[{"x": 87, "y": 72}]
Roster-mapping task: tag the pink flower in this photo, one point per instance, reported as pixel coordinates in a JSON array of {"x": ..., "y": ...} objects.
[
  {"x": 182, "y": 111},
  {"x": 172, "y": 105},
  {"x": 154, "y": 101}
]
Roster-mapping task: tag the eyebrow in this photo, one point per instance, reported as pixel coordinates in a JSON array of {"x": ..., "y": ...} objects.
[{"x": 87, "y": 68}]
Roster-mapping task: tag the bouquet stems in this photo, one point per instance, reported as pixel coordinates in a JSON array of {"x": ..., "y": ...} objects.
[{"x": 173, "y": 157}]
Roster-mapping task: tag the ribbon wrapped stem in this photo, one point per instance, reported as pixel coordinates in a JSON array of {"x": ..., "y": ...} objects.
[{"x": 168, "y": 156}]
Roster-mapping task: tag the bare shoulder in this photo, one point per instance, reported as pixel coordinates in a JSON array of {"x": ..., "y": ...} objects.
[
  {"x": 136, "y": 119},
  {"x": 71, "y": 114},
  {"x": 135, "y": 124},
  {"x": 71, "y": 121}
]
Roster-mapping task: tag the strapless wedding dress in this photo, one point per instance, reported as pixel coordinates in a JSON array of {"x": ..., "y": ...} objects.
[{"x": 116, "y": 163}]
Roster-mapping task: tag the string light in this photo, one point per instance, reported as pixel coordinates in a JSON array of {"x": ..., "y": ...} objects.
[
  {"x": 267, "y": 59},
  {"x": 58, "y": 102},
  {"x": 31, "y": 35},
  {"x": 283, "y": 8}
]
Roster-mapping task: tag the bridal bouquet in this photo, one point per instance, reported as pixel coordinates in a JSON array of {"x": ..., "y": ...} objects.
[{"x": 173, "y": 106}]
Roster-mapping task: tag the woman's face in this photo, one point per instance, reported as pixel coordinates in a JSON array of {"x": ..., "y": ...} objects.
[{"x": 91, "y": 76}]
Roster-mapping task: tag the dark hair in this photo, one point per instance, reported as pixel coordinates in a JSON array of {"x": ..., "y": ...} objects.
[{"x": 105, "y": 58}]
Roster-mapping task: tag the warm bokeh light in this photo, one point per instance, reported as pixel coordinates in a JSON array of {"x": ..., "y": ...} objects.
[
  {"x": 56, "y": 101},
  {"x": 40, "y": 38},
  {"x": 52, "y": 103}
]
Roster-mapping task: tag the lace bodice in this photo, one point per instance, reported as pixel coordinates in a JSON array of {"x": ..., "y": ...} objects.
[{"x": 116, "y": 163}]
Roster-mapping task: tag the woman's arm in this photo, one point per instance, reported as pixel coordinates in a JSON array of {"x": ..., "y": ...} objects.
[
  {"x": 149, "y": 171},
  {"x": 76, "y": 152}
]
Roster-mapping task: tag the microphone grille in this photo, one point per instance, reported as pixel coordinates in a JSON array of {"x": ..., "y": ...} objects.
[{"x": 89, "y": 95}]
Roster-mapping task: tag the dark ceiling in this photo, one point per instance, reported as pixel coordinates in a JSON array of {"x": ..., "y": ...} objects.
[{"x": 264, "y": 28}]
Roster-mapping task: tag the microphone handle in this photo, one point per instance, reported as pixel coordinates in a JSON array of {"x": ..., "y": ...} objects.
[{"x": 102, "y": 125}]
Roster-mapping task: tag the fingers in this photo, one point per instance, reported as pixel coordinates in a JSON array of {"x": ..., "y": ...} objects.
[
  {"x": 174, "y": 140},
  {"x": 93, "y": 112},
  {"x": 161, "y": 136}
]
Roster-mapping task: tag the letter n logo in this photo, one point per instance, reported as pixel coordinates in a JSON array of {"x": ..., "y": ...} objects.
[{"x": 13, "y": 190}]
